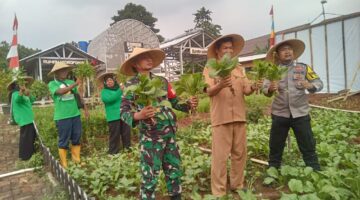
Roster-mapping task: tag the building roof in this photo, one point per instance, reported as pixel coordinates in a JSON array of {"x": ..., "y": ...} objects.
[
  {"x": 262, "y": 41},
  {"x": 251, "y": 58},
  {"x": 67, "y": 46},
  {"x": 251, "y": 45}
]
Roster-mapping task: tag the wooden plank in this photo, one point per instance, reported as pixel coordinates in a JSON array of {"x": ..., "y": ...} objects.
[{"x": 259, "y": 161}]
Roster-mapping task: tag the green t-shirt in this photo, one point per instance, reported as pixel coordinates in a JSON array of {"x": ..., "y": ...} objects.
[
  {"x": 112, "y": 101},
  {"x": 65, "y": 105},
  {"x": 21, "y": 108}
]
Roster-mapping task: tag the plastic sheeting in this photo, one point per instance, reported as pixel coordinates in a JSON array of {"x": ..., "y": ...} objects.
[
  {"x": 306, "y": 56},
  {"x": 319, "y": 61},
  {"x": 335, "y": 57},
  {"x": 337, "y": 75},
  {"x": 352, "y": 50}
]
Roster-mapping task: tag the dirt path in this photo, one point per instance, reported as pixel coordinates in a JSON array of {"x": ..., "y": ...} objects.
[{"x": 24, "y": 186}]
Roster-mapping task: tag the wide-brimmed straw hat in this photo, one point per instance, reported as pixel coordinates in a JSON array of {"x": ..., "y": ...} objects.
[
  {"x": 58, "y": 66},
  {"x": 298, "y": 47},
  {"x": 101, "y": 76},
  {"x": 238, "y": 44},
  {"x": 28, "y": 79},
  {"x": 157, "y": 56}
]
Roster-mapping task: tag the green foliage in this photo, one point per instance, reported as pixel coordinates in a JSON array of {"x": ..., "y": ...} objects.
[
  {"x": 19, "y": 76},
  {"x": 39, "y": 89},
  {"x": 22, "y": 50},
  {"x": 259, "y": 70},
  {"x": 192, "y": 67},
  {"x": 203, "y": 20},
  {"x": 223, "y": 67},
  {"x": 122, "y": 78},
  {"x": 147, "y": 91},
  {"x": 36, "y": 160},
  {"x": 204, "y": 105},
  {"x": 275, "y": 72},
  {"x": 190, "y": 85},
  {"x": 256, "y": 106},
  {"x": 137, "y": 12},
  {"x": 84, "y": 70},
  {"x": 5, "y": 78},
  {"x": 103, "y": 175},
  {"x": 265, "y": 69}
]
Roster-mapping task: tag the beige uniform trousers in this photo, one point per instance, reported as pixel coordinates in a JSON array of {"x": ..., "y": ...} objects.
[{"x": 228, "y": 139}]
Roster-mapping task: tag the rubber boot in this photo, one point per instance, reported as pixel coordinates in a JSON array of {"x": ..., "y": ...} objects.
[
  {"x": 62, "y": 155},
  {"x": 75, "y": 153}
]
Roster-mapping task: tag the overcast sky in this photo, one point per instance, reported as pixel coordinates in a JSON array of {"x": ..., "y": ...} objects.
[{"x": 46, "y": 23}]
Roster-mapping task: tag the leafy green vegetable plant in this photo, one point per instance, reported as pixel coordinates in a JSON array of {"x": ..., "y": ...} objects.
[{"x": 222, "y": 68}]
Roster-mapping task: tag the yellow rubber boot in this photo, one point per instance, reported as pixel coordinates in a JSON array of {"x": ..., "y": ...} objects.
[
  {"x": 75, "y": 153},
  {"x": 62, "y": 155}
]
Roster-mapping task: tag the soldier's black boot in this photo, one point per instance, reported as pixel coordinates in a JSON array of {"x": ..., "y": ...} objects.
[{"x": 176, "y": 197}]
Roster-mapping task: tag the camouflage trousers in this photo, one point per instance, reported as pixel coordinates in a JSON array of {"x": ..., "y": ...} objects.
[{"x": 155, "y": 154}]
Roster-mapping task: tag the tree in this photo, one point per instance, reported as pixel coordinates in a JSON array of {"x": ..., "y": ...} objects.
[
  {"x": 137, "y": 12},
  {"x": 203, "y": 20},
  {"x": 22, "y": 50}
]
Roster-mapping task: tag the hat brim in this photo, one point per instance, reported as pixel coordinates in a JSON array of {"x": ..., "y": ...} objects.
[
  {"x": 298, "y": 47},
  {"x": 70, "y": 67},
  {"x": 157, "y": 56},
  {"x": 102, "y": 76},
  {"x": 28, "y": 79},
  {"x": 238, "y": 45}
]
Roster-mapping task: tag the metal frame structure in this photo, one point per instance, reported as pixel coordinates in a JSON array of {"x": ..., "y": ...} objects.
[
  {"x": 190, "y": 47},
  {"x": 325, "y": 24},
  {"x": 116, "y": 43},
  {"x": 41, "y": 63}
]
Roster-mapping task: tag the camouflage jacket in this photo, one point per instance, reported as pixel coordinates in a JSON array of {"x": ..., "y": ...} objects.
[{"x": 165, "y": 118}]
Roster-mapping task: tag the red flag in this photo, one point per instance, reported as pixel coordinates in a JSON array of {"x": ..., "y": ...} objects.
[
  {"x": 13, "y": 53},
  {"x": 271, "y": 11},
  {"x": 15, "y": 25}
]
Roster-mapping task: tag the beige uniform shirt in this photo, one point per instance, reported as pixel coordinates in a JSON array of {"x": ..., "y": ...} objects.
[{"x": 224, "y": 106}]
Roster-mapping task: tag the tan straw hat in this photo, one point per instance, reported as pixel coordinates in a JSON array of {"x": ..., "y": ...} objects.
[
  {"x": 157, "y": 56},
  {"x": 58, "y": 66},
  {"x": 101, "y": 77},
  {"x": 238, "y": 44},
  {"x": 298, "y": 47},
  {"x": 28, "y": 79}
]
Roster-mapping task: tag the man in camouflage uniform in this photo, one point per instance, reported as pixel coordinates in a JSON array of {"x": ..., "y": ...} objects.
[
  {"x": 157, "y": 129},
  {"x": 290, "y": 108}
]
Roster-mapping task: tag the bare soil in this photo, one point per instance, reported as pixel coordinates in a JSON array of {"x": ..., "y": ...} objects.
[{"x": 352, "y": 102}]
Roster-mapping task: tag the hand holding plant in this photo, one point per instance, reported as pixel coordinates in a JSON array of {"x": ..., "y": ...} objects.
[
  {"x": 222, "y": 68},
  {"x": 274, "y": 86},
  {"x": 147, "y": 93},
  {"x": 193, "y": 103},
  {"x": 275, "y": 73},
  {"x": 190, "y": 86},
  {"x": 145, "y": 113}
]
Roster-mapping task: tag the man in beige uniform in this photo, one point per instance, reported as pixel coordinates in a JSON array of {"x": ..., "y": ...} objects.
[{"x": 227, "y": 117}]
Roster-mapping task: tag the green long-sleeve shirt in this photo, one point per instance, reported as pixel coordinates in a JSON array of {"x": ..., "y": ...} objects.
[
  {"x": 112, "y": 101},
  {"x": 21, "y": 108}
]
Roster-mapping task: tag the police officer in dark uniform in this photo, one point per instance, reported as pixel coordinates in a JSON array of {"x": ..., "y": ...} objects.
[{"x": 290, "y": 108}]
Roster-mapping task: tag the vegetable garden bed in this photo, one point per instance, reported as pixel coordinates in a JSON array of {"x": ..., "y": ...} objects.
[{"x": 118, "y": 177}]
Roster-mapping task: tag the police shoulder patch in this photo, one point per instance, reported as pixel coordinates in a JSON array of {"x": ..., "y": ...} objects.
[{"x": 310, "y": 74}]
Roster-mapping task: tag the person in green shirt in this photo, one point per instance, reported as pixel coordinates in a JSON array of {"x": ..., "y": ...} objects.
[
  {"x": 66, "y": 111},
  {"x": 111, "y": 95},
  {"x": 21, "y": 102}
]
